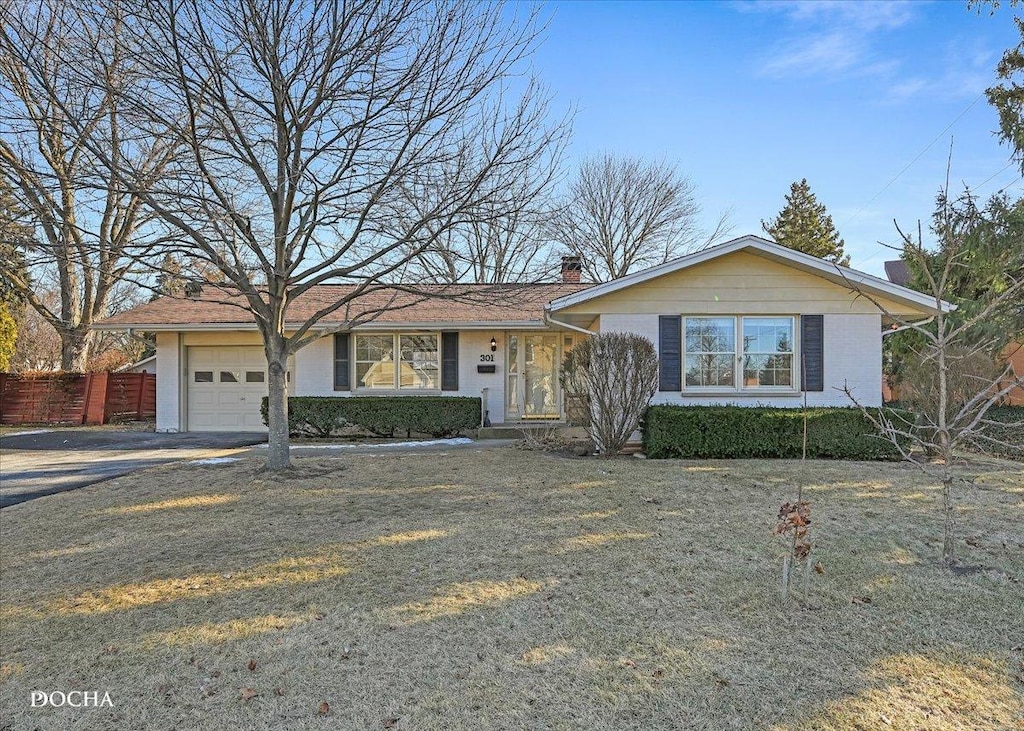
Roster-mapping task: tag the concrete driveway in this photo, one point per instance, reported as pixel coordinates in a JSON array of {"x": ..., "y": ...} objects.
[{"x": 42, "y": 462}]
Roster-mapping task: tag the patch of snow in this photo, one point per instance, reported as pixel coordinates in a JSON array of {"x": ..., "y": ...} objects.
[
  {"x": 216, "y": 460},
  {"x": 29, "y": 433},
  {"x": 382, "y": 445}
]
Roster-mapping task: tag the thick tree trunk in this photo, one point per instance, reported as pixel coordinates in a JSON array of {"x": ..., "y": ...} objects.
[
  {"x": 74, "y": 349},
  {"x": 278, "y": 456}
]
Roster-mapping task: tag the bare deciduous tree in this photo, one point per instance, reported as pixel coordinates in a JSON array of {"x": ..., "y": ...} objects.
[
  {"x": 956, "y": 379},
  {"x": 87, "y": 225},
  {"x": 329, "y": 142},
  {"x": 502, "y": 244},
  {"x": 505, "y": 249},
  {"x": 613, "y": 376},
  {"x": 622, "y": 214}
]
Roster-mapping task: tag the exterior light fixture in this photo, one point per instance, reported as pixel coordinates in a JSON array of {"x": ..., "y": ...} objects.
[{"x": 494, "y": 345}]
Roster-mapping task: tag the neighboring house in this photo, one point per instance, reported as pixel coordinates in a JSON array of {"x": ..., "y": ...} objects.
[
  {"x": 746, "y": 322},
  {"x": 146, "y": 365}
]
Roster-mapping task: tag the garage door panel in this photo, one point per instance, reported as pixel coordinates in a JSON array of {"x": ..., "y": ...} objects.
[{"x": 231, "y": 402}]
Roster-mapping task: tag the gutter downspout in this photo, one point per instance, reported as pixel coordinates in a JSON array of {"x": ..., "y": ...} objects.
[{"x": 549, "y": 320}]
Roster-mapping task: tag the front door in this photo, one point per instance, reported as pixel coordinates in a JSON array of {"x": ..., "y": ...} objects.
[{"x": 532, "y": 390}]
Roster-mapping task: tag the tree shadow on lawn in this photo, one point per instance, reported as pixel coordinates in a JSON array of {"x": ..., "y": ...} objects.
[{"x": 591, "y": 594}]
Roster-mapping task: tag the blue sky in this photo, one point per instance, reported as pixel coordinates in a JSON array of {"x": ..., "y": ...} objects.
[{"x": 748, "y": 97}]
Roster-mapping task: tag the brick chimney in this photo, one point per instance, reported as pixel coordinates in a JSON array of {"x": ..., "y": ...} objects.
[{"x": 571, "y": 269}]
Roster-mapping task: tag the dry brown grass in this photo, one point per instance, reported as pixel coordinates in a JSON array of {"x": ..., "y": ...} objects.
[{"x": 506, "y": 589}]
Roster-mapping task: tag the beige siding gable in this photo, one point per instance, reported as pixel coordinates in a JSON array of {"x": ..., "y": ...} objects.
[{"x": 738, "y": 283}]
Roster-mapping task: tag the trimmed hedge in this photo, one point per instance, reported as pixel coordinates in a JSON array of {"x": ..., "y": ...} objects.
[
  {"x": 740, "y": 432},
  {"x": 438, "y": 416}
]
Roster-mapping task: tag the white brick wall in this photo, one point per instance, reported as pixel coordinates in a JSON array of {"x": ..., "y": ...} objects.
[
  {"x": 314, "y": 370},
  {"x": 473, "y": 344},
  {"x": 853, "y": 355},
  {"x": 168, "y": 382}
]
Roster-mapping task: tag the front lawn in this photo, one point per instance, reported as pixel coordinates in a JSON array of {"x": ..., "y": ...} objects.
[{"x": 497, "y": 588}]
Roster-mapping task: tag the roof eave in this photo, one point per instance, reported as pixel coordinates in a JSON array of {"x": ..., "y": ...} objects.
[{"x": 325, "y": 326}]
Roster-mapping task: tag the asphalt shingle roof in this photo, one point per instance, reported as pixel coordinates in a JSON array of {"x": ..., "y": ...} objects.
[{"x": 429, "y": 304}]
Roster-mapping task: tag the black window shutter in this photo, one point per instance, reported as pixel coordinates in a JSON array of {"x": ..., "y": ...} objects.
[
  {"x": 812, "y": 344},
  {"x": 670, "y": 353},
  {"x": 342, "y": 379},
  {"x": 450, "y": 361}
]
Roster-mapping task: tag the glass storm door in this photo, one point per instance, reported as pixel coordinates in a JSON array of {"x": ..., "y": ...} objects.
[{"x": 532, "y": 389}]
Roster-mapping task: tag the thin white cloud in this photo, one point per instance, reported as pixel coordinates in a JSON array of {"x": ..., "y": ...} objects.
[
  {"x": 832, "y": 52},
  {"x": 964, "y": 72},
  {"x": 830, "y": 37},
  {"x": 865, "y": 16}
]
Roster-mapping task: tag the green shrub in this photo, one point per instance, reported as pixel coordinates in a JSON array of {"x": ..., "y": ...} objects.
[
  {"x": 438, "y": 416},
  {"x": 739, "y": 432},
  {"x": 1006, "y": 431}
]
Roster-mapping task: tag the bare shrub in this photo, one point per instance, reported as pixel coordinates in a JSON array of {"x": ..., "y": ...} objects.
[
  {"x": 968, "y": 372},
  {"x": 613, "y": 376}
]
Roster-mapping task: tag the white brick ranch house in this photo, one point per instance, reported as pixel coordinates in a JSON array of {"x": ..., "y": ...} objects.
[{"x": 730, "y": 324}]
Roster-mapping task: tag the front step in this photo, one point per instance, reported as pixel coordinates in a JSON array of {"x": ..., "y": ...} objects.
[{"x": 516, "y": 431}]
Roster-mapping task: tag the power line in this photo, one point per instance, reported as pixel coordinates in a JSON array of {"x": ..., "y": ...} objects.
[
  {"x": 995, "y": 175},
  {"x": 921, "y": 154}
]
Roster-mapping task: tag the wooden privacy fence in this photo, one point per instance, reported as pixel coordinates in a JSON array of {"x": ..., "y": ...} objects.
[{"x": 76, "y": 398}]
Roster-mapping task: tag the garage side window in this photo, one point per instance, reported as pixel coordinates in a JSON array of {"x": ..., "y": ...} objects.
[{"x": 203, "y": 377}]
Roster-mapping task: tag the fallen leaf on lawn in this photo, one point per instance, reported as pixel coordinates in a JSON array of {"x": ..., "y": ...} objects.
[
  {"x": 391, "y": 722},
  {"x": 324, "y": 708},
  {"x": 818, "y": 568},
  {"x": 111, "y": 650},
  {"x": 279, "y": 691},
  {"x": 252, "y": 665},
  {"x": 861, "y": 600},
  {"x": 658, "y": 674},
  {"x": 248, "y": 694},
  {"x": 215, "y": 674},
  {"x": 318, "y": 616},
  {"x": 629, "y": 663}
]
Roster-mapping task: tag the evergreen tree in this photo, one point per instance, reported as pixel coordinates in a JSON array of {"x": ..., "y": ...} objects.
[
  {"x": 989, "y": 261},
  {"x": 15, "y": 238},
  {"x": 1008, "y": 97},
  {"x": 803, "y": 224},
  {"x": 170, "y": 282}
]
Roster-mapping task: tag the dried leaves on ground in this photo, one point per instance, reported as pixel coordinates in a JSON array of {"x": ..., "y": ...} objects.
[{"x": 498, "y": 588}]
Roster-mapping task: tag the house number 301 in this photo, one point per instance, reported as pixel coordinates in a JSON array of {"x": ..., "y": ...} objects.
[{"x": 487, "y": 358}]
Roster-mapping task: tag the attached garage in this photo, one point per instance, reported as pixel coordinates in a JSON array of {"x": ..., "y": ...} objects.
[{"x": 226, "y": 386}]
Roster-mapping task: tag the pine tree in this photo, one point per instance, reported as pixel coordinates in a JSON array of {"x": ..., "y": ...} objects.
[
  {"x": 170, "y": 282},
  {"x": 803, "y": 224}
]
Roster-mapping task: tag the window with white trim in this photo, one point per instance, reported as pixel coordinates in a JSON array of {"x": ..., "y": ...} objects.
[
  {"x": 397, "y": 361},
  {"x": 737, "y": 353},
  {"x": 710, "y": 352},
  {"x": 768, "y": 352},
  {"x": 420, "y": 366}
]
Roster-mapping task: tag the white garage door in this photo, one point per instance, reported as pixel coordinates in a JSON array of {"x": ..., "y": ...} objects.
[{"x": 226, "y": 386}]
